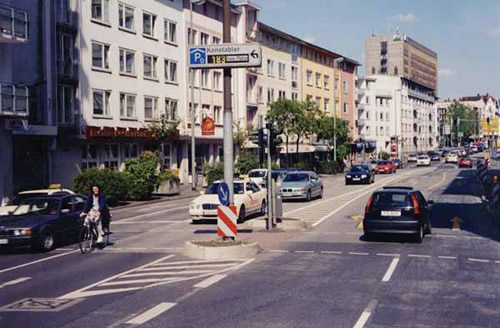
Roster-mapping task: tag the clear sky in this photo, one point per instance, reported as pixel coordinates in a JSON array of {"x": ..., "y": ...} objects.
[{"x": 464, "y": 33}]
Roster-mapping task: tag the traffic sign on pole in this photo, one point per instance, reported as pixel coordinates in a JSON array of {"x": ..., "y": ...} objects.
[
  {"x": 225, "y": 55},
  {"x": 227, "y": 221},
  {"x": 223, "y": 193}
]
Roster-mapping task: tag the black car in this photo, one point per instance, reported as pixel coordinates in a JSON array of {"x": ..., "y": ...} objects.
[
  {"x": 434, "y": 156},
  {"x": 42, "y": 222},
  {"x": 398, "y": 162},
  {"x": 397, "y": 210},
  {"x": 360, "y": 174}
]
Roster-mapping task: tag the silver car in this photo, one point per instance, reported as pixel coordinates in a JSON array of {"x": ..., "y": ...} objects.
[{"x": 301, "y": 185}]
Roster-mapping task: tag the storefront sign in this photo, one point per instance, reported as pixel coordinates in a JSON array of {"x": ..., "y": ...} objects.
[
  {"x": 95, "y": 132},
  {"x": 208, "y": 126}
]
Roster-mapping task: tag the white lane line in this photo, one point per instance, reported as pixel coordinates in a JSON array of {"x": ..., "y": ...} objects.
[
  {"x": 136, "y": 281},
  {"x": 390, "y": 269},
  {"x": 448, "y": 257},
  {"x": 304, "y": 252},
  {"x": 38, "y": 261},
  {"x": 330, "y": 252},
  {"x": 390, "y": 255},
  {"x": 366, "y": 314},
  {"x": 210, "y": 281},
  {"x": 418, "y": 255},
  {"x": 358, "y": 253},
  {"x": 194, "y": 266},
  {"x": 151, "y": 214},
  {"x": 151, "y": 313},
  {"x": 65, "y": 249},
  {"x": 447, "y": 236},
  {"x": 14, "y": 282},
  {"x": 479, "y": 260},
  {"x": 178, "y": 273},
  {"x": 498, "y": 262},
  {"x": 197, "y": 262},
  {"x": 278, "y": 251},
  {"x": 149, "y": 222}
]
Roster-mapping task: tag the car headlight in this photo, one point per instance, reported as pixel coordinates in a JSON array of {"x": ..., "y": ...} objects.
[
  {"x": 363, "y": 176},
  {"x": 22, "y": 232},
  {"x": 348, "y": 176},
  {"x": 194, "y": 206}
]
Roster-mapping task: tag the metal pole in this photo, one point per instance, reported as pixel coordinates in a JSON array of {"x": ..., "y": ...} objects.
[
  {"x": 335, "y": 67},
  {"x": 193, "y": 112},
  {"x": 228, "y": 111},
  {"x": 270, "y": 208}
]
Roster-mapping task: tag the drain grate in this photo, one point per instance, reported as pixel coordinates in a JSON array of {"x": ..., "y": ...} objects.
[{"x": 39, "y": 305}]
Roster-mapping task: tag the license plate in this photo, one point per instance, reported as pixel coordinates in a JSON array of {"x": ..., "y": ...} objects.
[
  {"x": 356, "y": 179},
  {"x": 391, "y": 213},
  {"x": 4, "y": 241}
]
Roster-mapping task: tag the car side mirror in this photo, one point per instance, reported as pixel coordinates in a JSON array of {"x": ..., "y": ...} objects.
[{"x": 65, "y": 211}]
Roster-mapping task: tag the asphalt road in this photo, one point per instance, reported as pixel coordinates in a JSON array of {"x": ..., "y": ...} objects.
[{"x": 325, "y": 277}]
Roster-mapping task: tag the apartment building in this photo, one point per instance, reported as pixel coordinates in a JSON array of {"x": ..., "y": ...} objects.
[{"x": 396, "y": 116}]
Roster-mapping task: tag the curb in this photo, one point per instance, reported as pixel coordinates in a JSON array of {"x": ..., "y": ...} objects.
[
  {"x": 221, "y": 253},
  {"x": 285, "y": 224}
]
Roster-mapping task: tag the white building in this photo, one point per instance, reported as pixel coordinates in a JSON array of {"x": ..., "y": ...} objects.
[{"x": 397, "y": 114}]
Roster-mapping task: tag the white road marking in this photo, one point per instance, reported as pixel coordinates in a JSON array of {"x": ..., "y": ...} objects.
[
  {"x": 304, "y": 252},
  {"x": 151, "y": 214},
  {"x": 418, "y": 255},
  {"x": 479, "y": 260},
  {"x": 151, "y": 313},
  {"x": 146, "y": 274},
  {"x": 65, "y": 249},
  {"x": 353, "y": 233},
  {"x": 366, "y": 314},
  {"x": 136, "y": 281},
  {"x": 390, "y": 255},
  {"x": 277, "y": 251},
  {"x": 210, "y": 281},
  {"x": 497, "y": 262},
  {"x": 14, "y": 282},
  {"x": 390, "y": 269},
  {"x": 195, "y": 266},
  {"x": 193, "y": 262},
  {"x": 330, "y": 252},
  {"x": 447, "y": 236},
  {"x": 38, "y": 261},
  {"x": 149, "y": 222},
  {"x": 357, "y": 253},
  {"x": 448, "y": 257}
]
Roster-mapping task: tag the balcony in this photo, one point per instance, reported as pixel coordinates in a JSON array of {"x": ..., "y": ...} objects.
[
  {"x": 14, "y": 101},
  {"x": 361, "y": 107},
  {"x": 361, "y": 122},
  {"x": 13, "y": 25},
  {"x": 421, "y": 95}
]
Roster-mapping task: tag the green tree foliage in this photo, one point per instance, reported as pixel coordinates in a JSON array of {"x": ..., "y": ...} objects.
[
  {"x": 246, "y": 162},
  {"x": 307, "y": 121},
  {"x": 326, "y": 131},
  {"x": 112, "y": 183},
  {"x": 384, "y": 155},
  {"x": 467, "y": 116},
  {"x": 142, "y": 176},
  {"x": 163, "y": 128},
  {"x": 214, "y": 171}
]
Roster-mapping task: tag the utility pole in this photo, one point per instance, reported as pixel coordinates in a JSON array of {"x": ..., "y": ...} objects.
[
  {"x": 335, "y": 68},
  {"x": 228, "y": 110}
]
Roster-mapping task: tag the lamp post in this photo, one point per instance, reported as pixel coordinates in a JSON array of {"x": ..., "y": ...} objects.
[
  {"x": 336, "y": 63},
  {"x": 396, "y": 121}
]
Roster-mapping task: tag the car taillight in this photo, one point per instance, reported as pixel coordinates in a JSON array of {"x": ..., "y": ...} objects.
[
  {"x": 367, "y": 208},
  {"x": 415, "y": 204}
]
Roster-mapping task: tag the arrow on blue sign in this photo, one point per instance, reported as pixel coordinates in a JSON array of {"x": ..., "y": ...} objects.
[{"x": 223, "y": 193}]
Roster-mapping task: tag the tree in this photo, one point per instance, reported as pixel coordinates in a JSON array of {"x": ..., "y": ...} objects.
[
  {"x": 467, "y": 118},
  {"x": 305, "y": 124},
  {"x": 164, "y": 128},
  {"x": 326, "y": 131},
  {"x": 246, "y": 162}
]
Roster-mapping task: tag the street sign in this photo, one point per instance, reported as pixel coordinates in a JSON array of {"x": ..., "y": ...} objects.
[
  {"x": 223, "y": 193},
  {"x": 227, "y": 220},
  {"x": 225, "y": 55}
]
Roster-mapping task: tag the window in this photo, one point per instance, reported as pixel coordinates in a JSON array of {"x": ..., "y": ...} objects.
[
  {"x": 295, "y": 96},
  {"x": 395, "y": 70},
  {"x": 282, "y": 94},
  {"x": 295, "y": 73},
  {"x": 127, "y": 106},
  {"x": 166, "y": 156},
  {"x": 100, "y": 10},
  {"x": 387, "y": 133},
  {"x": 336, "y": 84},
  {"x": 318, "y": 102},
  {"x": 373, "y": 70},
  {"x": 150, "y": 108},
  {"x": 218, "y": 114},
  {"x": 282, "y": 70},
  {"x": 326, "y": 82},
  {"x": 150, "y": 66},
  {"x": 89, "y": 157},
  {"x": 326, "y": 103},
  {"x": 130, "y": 151},
  {"x": 192, "y": 111},
  {"x": 170, "y": 71},
  {"x": 217, "y": 81},
  {"x": 100, "y": 56},
  {"x": 345, "y": 86},
  {"x": 109, "y": 156},
  {"x": 101, "y": 102},
  {"x": 65, "y": 101},
  {"x": 14, "y": 99},
  {"x": 205, "y": 78},
  {"x": 270, "y": 95},
  {"x": 205, "y": 111},
  {"x": 345, "y": 107},
  {"x": 318, "y": 80},
  {"x": 127, "y": 61},
  {"x": 192, "y": 36},
  {"x": 215, "y": 40},
  {"x": 204, "y": 38},
  {"x": 65, "y": 47},
  {"x": 126, "y": 17},
  {"x": 270, "y": 67},
  {"x": 171, "y": 109},
  {"x": 170, "y": 31},
  {"x": 309, "y": 77},
  {"x": 148, "y": 24},
  {"x": 260, "y": 94}
]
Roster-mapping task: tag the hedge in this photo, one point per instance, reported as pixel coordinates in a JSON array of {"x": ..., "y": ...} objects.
[{"x": 112, "y": 183}]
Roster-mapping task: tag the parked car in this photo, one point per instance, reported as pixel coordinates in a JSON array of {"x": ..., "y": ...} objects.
[
  {"x": 360, "y": 174},
  {"x": 452, "y": 157},
  {"x": 412, "y": 158},
  {"x": 465, "y": 162},
  {"x": 301, "y": 185},
  {"x": 398, "y": 162},
  {"x": 23, "y": 195},
  {"x": 249, "y": 199},
  {"x": 398, "y": 210},
  {"x": 385, "y": 166},
  {"x": 423, "y": 160},
  {"x": 42, "y": 222}
]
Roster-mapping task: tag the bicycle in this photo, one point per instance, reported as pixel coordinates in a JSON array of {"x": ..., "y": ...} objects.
[{"x": 89, "y": 234}]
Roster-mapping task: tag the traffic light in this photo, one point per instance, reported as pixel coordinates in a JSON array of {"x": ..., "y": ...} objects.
[
  {"x": 275, "y": 140},
  {"x": 260, "y": 139}
]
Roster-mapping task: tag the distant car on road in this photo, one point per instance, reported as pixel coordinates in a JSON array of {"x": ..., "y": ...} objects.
[
  {"x": 452, "y": 157},
  {"x": 434, "y": 156},
  {"x": 474, "y": 149},
  {"x": 385, "y": 166},
  {"x": 398, "y": 163},
  {"x": 360, "y": 174},
  {"x": 397, "y": 210},
  {"x": 423, "y": 160},
  {"x": 412, "y": 158},
  {"x": 23, "y": 195},
  {"x": 259, "y": 176},
  {"x": 465, "y": 162},
  {"x": 301, "y": 185},
  {"x": 42, "y": 222},
  {"x": 249, "y": 199}
]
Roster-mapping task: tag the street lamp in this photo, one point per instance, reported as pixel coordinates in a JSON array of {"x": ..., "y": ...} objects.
[
  {"x": 336, "y": 63},
  {"x": 191, "y": 40},
  {"x": 396, "y": 121}
]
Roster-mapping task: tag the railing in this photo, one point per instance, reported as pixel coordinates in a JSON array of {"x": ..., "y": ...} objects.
[
  {"x": 13, "y": 24},
  {"x": 14, "y": 100},
  {"x": 420, "y": 95}
]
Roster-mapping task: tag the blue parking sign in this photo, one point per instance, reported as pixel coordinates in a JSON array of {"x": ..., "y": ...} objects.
[{"x": 198, "y": 56}]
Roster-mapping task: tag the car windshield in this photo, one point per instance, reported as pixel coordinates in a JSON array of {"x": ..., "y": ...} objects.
[
  {"x": 257, "y": 174},
  {"x": 391, "y": 199},
  {"x": 238, "y": 189},
  {"x": 358, "y": 168},
  {"x": 18, "y": 199},
  {"x": 422, "y": 157},
  {"x": 413, "y": 155},
  {"x": 383, "y": 163},
  {"x": 42, "y": 206},
  {"x": 296, "y": 177}
]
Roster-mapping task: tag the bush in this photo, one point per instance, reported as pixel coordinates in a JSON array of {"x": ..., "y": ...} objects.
[
  {"x": 384, "y": 155},
  {"x": 247, "y": 161},
  {"x": 169, "y": 176},
  {"x": 142, "y": 176},
  {"x": 327, "y": 168},
  {"x": 112, "y": 183},
  {"x": 214, "y": 172}
]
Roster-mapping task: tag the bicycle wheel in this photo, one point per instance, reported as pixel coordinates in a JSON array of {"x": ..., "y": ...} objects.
[{"x": 86, "y": 240}]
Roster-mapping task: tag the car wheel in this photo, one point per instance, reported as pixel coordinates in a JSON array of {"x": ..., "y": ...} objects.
[
  {"x": 47, "y": 241},
  {"x": 428, "y": 231},
  {"x": 263, "y": 208},
  {"x": 241, "y": 215},
  {"x": 420, "y": 235},
  {"x": 321, "y": 193},
  {"x": 309, "y": 195}
]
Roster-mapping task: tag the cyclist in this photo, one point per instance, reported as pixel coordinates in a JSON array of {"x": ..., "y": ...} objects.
[{"x": 96, "y": 201}]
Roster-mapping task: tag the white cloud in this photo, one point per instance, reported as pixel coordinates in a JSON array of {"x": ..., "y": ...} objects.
[
  {"x": 445, "y": 72},
  {"x": 494, "y": 32},
  {"x": 405, "y": 18},
  {"x": 310, "y": 39}
]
